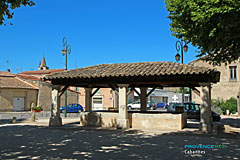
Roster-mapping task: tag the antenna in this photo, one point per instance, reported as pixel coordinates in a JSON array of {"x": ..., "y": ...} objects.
[
  {"x": 7, "y": 64},
  {"x": 75, "y": 65}
]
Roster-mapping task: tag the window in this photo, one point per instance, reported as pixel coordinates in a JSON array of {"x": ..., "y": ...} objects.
[
  {"x": 165, "y": 99},
  {"x": 233, "y": 72},
  {"x": 197, "y": 107}
]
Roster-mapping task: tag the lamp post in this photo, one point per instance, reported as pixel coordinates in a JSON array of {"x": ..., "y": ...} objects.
[
  {"x": 180, "y": 47},
  {"x": 65, "y": 51}
]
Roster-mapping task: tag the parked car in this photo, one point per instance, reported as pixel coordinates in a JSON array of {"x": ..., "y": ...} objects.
[
  {"x": 162, "y": 105},
  {"x": 72, "y": 108},
  {"x": 151, "y": 105},
  {"x": 193, "y": 110},
  {"x": 137, "y": 105}
]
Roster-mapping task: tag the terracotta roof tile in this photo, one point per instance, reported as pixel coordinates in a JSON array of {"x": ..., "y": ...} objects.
[
  {"x": 28, "y": 77},
  {"x": 6, "y": 74},
  {"x": 48, "y": 71},
  {"x": 131, "y": 69},
  {"x": 14, "y": 82}
]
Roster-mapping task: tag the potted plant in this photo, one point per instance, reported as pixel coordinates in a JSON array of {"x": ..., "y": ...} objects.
[
  {"x": 37, "y": 109},
  {"x": 112, "y": 109}
]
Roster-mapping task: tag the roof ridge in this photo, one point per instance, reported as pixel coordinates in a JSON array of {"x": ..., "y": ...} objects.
[{"x": 28, "y": 83}]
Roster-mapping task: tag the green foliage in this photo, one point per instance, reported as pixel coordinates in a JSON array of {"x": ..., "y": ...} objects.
[
  {"x": 186, "y": 90},
  {"x": 230, "y": 104},
  {"x": 6, "y": 6},
  {"x": 37, "y": 108},
  {"x": 211, "y": 25}
]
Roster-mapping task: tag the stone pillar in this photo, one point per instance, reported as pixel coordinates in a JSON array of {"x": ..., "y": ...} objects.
[
  {"x": 55, "y": 119},
  {"x": 123, "y": 121},
  {"x": 205, "y": 113},
  {"x": 143, "y": 98},
  {"x": 88, "y": 99},
  {"x": 39, "y": 94}
]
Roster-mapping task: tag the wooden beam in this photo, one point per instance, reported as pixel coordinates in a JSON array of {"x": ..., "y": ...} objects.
[
  {"x": 63, "y": 90},
  {"x": 129, "y": 92},
  {"x": 114, "y": 88},
  {"x": 136, "y": 91},
  {"x": 196, "y": 91},
  {"x": 95, "y": 92},
  {"x": 151, "y": 91}
]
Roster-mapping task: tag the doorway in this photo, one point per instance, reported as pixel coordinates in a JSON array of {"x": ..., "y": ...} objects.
[{"x": 18, "y": 103}]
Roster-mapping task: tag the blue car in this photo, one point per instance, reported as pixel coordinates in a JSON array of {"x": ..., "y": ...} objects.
[
  {"x": 162, "y": 105},
  {"x": 72, "y": 108}
]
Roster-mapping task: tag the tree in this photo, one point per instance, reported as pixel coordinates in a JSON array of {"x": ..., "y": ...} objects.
[
  {"x": 6, "y": 7},
  {"x": 230, "y": 104},
  {"x": 210, "y": 25}
]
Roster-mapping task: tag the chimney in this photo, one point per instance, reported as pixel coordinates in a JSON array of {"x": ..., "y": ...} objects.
[{"x": 8, "y": 70}]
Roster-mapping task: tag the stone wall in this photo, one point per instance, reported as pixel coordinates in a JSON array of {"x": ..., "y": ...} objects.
[
  {"x": 45, "y": 96},
  {"x": 224, "y": 89},
  {"x": 7, "y": 95},
  {"x": 164, "y": 121},
  {"x": 98, "y": 119}
]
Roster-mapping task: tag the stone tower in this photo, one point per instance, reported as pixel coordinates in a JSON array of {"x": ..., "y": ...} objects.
[{"x": 43, "y": 65}]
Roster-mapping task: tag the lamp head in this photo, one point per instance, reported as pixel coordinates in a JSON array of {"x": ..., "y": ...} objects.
[
  {"x": 63, "y": 51},
  {"x": 177, "y": 57},
  {"x": 185, "y": 48}
]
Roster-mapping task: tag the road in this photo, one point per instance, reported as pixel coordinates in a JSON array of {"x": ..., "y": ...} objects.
[{"x": 35, "y": 140}]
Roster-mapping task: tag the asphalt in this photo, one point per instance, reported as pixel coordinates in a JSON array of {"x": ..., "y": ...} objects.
[{"x": 35, "y": 140}]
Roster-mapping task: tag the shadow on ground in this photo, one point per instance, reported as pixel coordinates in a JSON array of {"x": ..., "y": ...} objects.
[
  {"x": 10, "y": 121},
  {"x": 37, "y": 142}
]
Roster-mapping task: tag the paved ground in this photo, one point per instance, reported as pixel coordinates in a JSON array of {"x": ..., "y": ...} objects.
[{"x": 27, "y": 140}]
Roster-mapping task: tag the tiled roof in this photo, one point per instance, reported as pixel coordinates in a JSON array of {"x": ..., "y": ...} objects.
[
  {"x": 14, "y": 82},
  {"x": 28, "y": 77},
  {"x": 199, "y": 59},
  {"x": 48, "y": 71},
  {"x": 131, "y": 70},
  {"x": 6, "y": 74}
]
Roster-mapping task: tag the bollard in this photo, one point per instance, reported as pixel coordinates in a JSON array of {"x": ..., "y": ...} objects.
[
  {"x": 33, "y": 117},
  {"x": 14, "y": 120},
  {"x": 227, "y": 112}
]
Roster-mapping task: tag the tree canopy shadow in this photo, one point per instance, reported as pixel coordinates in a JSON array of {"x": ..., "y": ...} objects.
[{"x": 38, "y": 142}]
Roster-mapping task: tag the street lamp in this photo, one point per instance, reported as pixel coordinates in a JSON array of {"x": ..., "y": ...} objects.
[
  {"x": 65, "y": 51},
  {"x": 180, "y": 47}
]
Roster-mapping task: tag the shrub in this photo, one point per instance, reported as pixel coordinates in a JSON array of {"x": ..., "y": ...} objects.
[
  {"x": 230, "y": 104},
  {"x": 37, "y": 108}
]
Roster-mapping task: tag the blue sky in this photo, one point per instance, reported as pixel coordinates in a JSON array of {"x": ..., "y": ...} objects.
[{"x": 99, "y": 31}]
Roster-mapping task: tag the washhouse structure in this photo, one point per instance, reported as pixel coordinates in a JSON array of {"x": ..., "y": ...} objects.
[{"x": 124, "y": 77}]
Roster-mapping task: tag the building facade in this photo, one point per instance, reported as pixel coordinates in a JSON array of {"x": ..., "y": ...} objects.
[
  {"x": 158, "y": 96},
  {"x": 16, "y": 94},
  {"x": 102, "y": 100},
  {"x": 44, "y": 96},
  {"x": 229, "y": 84}
]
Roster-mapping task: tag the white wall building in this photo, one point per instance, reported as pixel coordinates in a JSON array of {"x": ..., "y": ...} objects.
[{"x": 160, "y": 95}]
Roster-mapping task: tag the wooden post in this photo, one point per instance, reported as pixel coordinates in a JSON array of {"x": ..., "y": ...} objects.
[{"x": 143, "y": 98}]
